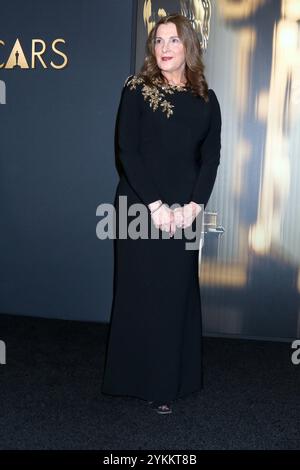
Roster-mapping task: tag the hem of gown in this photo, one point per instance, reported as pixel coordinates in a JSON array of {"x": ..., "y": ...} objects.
[{"x": 140, "y": 397}]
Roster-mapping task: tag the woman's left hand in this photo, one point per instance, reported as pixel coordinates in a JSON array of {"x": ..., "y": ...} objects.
[
  {"x": 163, "y": 218},
  {"x": 184, "y": 216}
]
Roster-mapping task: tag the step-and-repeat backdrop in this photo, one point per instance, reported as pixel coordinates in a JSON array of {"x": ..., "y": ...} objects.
[{"x": 62, "y": 67}]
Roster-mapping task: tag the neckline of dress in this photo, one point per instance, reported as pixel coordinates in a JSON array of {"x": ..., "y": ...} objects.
[{"x": 167, "y": 86}]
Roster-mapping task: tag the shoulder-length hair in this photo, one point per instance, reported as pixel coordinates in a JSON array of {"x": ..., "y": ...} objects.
[{"x": 194, "y": 68}]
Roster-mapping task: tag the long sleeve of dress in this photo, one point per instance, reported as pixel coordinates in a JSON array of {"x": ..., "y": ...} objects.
[
  {"x": 210, "y": 155},
  {"x": 134, "y": 168}
]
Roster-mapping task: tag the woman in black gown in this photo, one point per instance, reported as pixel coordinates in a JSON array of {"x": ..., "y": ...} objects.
[{"x": 169, "y": 135}]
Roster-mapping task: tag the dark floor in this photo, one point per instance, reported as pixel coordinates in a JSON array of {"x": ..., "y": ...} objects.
[{"x": 51, "y": 398}]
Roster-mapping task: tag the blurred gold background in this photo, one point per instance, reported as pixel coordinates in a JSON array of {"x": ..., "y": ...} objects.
[{"x": 249, "y": 270}]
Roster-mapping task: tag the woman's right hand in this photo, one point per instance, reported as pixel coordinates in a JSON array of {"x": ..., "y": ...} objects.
[
  {"x": 184, "y": 216},
  {"x": 163, "y": 218}
]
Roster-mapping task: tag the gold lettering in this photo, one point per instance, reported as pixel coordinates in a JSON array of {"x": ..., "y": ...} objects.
[
  {"x": 38, "y": 54},
  {"x": 59, "y": 53},
  {"x": 2, "y": 44},
  {"x": 17, "y": 57}
]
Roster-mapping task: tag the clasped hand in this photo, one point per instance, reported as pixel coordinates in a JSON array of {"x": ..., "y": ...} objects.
[{"x": 168, "y": 219}]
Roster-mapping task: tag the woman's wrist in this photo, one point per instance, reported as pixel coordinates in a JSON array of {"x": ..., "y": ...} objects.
[
  {"x": 196, "y": 205},
  {"x": 153, "y": 206},
  {"x": 193, "y": 203}
]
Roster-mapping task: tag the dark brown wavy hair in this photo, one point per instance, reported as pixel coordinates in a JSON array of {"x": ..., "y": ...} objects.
[{"x": 194, "y": 67}]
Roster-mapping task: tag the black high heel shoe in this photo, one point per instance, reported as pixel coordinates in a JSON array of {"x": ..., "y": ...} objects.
[{"x": 161, "y": 408}]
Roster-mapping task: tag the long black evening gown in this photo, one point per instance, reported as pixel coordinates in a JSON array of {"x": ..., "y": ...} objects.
[{"x": 169, "y": 147}]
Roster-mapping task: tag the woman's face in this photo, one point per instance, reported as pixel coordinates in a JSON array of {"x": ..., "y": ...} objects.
[{"x": 169, "y": 45}]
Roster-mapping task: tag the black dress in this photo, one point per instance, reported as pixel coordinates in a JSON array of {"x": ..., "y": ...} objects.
[{"x": 169, "y": 147}]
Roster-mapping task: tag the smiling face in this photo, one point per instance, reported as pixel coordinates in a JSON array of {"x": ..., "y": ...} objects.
[{"x": 169, "y": 49}]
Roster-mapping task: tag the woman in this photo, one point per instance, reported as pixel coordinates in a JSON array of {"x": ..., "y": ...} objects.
[{"x": 169, "y": 134}]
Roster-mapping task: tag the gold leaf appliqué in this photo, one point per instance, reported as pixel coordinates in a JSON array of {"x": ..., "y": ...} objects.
[{"x": 155, "y": 93}]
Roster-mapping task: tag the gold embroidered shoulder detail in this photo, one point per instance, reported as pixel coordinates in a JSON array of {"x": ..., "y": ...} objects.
[{"x": 155, "y": 93}]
